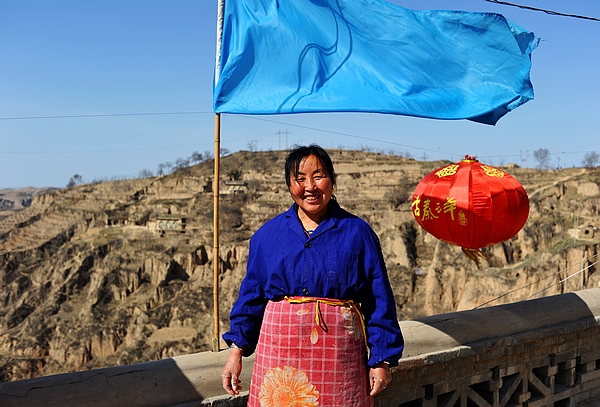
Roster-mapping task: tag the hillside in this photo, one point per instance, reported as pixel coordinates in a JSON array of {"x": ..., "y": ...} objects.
[
  {"x": 14, "y": 200},
  {"x": 121, "y": 272}
]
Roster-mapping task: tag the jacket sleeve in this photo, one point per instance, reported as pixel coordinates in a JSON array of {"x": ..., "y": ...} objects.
[
  {"x": 379, "y": 309},
  {"x": 247, "y": 313}
]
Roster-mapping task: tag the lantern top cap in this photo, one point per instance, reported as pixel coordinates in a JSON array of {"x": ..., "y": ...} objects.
[{"x": 470, "y": 158}]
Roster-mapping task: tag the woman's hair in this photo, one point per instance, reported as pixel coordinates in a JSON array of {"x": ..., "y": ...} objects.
[{"x": 299, "y": 153}]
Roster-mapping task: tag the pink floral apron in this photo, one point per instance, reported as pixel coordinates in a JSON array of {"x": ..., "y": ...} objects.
[{"x": 311, "y": 352}]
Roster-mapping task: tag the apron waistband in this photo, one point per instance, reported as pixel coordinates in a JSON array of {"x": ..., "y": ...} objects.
[{"x": 333, "y": 302}]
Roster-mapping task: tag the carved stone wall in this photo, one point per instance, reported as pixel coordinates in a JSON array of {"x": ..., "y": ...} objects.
[
  {"x": 558, "y": 366},
  {"x": 543, "y": 352}
]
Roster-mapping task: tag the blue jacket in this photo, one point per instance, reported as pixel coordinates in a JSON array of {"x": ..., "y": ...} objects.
[{"x": 341, "y": 259}]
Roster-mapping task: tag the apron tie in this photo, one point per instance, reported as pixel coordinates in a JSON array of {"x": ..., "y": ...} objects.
[{"x": 333, "y": 302}]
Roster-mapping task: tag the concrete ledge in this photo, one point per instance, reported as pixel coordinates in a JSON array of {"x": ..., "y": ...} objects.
[
  {"x": 446, "y": 331},
  {"x": 167, "y": 382},
  {"x": 195, "y": 380}
]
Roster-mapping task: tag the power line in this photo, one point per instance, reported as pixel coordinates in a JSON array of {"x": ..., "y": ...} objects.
[
  {"x": 540, "y": 280},
  {"x": 390, "y": 142},
  {"x": 558, "y": 154},
  {"x": 564, "y": 279},
  {"x": 77, "y": 116},
  {"x": 452, "y": 155},
  {"x": 554, "y": 13},
  {"x": 343, "y": 134},
  {"x": 176, "y": 113},
  {"x": 120, "y": 150}
]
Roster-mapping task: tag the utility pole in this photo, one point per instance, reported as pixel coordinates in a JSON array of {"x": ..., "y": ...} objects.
[
  {"x": 521, "y": 158},
  {"x": 575, "y": 226},
  {"x": 286, "y": 138},
  {"x": 279, "y": 139}
]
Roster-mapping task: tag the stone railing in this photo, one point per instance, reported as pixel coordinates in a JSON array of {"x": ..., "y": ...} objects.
[{"x": 543, "y": 352}]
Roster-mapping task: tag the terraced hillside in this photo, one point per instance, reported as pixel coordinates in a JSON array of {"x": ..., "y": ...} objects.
[{"x": 121, "y": 272}]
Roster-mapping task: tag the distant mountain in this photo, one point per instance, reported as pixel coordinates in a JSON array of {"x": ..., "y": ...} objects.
[
  {"x": 12, "y": 200},
  {"x": 121, "y": 272}
]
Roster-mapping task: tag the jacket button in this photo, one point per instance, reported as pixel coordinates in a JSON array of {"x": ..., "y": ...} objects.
[
  {"x": 307, "y": 245},
  {"x": 305, "y": 291}
]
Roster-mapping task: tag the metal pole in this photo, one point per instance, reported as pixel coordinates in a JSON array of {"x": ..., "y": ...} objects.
[
  {"x": 583, "y": 270},
  {"x": 216, "y": 257}
]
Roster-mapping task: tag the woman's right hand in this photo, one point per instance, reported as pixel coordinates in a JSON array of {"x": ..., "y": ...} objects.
[{"x": 232, "y": 371}]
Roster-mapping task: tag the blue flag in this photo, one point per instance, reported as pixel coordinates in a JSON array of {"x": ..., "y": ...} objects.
[{"x": 302, "y": 56}]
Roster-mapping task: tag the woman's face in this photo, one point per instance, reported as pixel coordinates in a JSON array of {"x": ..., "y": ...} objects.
[{"x": 312, "y": 188}]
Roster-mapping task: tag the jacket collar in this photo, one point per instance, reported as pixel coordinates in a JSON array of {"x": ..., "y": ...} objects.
[{"x": 330, "y": 221}]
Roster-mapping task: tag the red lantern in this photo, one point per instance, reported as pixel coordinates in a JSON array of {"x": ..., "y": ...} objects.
[{"x": 471, "y": 205}]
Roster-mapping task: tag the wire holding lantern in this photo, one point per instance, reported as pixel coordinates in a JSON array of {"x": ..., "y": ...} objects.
[{"x": 471, "y": 205}]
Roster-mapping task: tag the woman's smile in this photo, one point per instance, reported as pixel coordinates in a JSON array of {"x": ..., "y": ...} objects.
[{"x": 311, "y": 189}]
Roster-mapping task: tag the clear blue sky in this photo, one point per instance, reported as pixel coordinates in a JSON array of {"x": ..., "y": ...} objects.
[{"x": 101, "y": 69}]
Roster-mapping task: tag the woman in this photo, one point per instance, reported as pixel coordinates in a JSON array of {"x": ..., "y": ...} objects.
[{"x": 313, "y": 273}]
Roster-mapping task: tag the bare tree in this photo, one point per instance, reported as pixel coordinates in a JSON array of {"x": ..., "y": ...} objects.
[
  {"x": 542, "y": 156},
  {"x": 75, "y": 180},
  {"x": 181, "y": 163},
  {"x": 252, "y": 145},
  {"x": 196, "y": 157},
  {"x": 145, "y": 173},
  {"x": 591, "y": 159},
  {"x": 396, "y": 197},
  {"x": 235, "y": 175}
]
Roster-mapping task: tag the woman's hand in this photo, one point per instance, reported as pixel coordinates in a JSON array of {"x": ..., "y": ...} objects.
[
  {"x": 232, "y": 371},
  {"x": 379, "y": 377}
]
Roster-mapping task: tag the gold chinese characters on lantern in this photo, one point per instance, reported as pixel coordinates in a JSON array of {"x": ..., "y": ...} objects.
[{"x": 471, "y": 205}]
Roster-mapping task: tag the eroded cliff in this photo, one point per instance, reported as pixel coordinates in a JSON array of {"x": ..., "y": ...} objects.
[{"x": 122, "y": 272}]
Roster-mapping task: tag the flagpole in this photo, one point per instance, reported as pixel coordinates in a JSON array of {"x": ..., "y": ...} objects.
[
  {"x": 216, "y": 178},
  {"x": 216, "y": 258}
]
